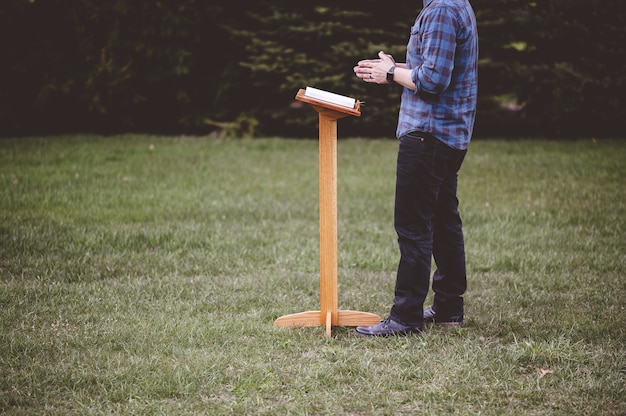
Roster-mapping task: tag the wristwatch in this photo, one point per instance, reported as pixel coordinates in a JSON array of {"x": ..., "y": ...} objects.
[{"x": 390, "y": 74}]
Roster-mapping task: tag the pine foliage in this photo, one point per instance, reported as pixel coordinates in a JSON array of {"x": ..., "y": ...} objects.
[{"x": 548, "y": 68}]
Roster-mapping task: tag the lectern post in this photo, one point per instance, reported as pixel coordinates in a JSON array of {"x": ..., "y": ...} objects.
[{"x": 328, "y": 315}]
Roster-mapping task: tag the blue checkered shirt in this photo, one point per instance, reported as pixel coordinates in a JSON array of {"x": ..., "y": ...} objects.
[{"x": 442, "y": 53}]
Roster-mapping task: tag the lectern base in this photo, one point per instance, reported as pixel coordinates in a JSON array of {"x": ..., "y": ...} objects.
[{"x": 315, "y": 318}]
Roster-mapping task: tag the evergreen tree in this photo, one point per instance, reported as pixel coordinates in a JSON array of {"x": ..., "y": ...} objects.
[{"x": 547, "y": 68}]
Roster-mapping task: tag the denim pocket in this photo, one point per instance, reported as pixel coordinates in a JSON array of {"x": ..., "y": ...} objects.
[{"x": 421, "y": 154}]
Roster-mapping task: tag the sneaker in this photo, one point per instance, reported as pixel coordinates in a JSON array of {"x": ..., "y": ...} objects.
[
  {"x": 386, "y": 328},
  {"x": 430, "y": 316}
]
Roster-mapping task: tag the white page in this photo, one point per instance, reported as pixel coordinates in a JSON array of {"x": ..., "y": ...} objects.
[{"x": 329, "y": 97}]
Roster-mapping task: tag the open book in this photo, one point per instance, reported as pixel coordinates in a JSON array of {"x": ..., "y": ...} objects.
[{"x": 329, "y": 97}]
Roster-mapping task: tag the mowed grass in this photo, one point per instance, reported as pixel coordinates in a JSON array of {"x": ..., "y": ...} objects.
[{"x": 142, "y": 275}]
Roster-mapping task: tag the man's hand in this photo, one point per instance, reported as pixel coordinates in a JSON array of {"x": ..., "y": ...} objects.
[{"x": 374, "y": 70}]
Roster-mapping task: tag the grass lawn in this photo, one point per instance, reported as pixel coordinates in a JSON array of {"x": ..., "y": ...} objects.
[{"x": 142, "y": 275}]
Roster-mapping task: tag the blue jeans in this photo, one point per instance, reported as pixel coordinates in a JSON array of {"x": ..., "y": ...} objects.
[{"x": 428, "y": 225}]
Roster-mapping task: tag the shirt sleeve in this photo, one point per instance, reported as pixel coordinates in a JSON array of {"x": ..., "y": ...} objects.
[{"x": 438, "y": 45}]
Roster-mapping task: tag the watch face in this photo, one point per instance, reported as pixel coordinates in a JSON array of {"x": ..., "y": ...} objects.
[{"x": 390, "y": 73}]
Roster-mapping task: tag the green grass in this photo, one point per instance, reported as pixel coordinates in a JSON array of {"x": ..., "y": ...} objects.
[{"x": 142, "y": 275}]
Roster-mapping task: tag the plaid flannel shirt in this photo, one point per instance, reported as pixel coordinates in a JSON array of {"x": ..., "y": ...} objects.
[{"x": 442, "y": 53}]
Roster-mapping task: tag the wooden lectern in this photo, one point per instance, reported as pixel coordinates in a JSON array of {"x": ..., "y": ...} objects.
[{"x": 328, "y": 314}]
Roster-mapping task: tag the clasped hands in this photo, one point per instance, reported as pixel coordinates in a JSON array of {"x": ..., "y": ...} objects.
[{"x": 374, "y": 70}]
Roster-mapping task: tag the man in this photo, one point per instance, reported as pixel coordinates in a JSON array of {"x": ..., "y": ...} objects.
[{"x": 435, "y": 124}]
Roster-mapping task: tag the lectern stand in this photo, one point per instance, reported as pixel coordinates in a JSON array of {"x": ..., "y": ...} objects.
[{"x": 328, "y": 315}]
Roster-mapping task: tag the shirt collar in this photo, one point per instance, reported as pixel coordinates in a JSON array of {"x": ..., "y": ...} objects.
[{"x": 427, "y": 2}]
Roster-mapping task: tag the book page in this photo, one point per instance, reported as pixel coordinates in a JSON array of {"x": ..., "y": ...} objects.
[{"x": 329, "y": 97}]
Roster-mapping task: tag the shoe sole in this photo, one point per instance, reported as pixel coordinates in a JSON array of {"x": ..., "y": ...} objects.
[
  {"x": 447, "y": 324},
  {"x": 391, "y": 334}
]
